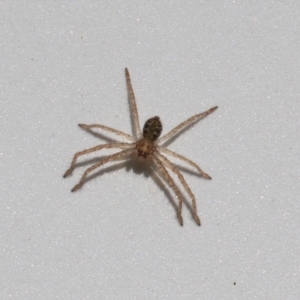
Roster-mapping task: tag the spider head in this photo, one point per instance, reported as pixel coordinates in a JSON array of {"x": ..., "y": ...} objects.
[{"x": 152, "y": 129}]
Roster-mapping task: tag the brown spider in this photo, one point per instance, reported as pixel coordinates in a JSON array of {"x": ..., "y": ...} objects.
[{"x": 146, "y": 146}]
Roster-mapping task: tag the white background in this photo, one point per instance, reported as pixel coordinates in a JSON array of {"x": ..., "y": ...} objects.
[{"x": 62, "y": 63}]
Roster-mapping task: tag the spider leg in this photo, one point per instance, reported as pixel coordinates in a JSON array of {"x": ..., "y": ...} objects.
[
  {"x": 174, "y": 169},
  {"x": 186, "y": 123},
  {"x": 106, "y": 128},
  {"x": 99, "y": 147},
  {"x": 186, "y": 160},
  {"x": 101, "y": 163},
  {"x": 133, "y": 106},
  {"x": 172, "y": 184}
]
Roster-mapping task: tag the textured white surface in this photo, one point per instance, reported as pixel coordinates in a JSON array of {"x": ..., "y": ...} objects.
[{"x": 62, "y": 63}]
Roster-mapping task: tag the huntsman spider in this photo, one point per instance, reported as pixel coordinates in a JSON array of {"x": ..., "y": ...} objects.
[{"x": 146, "y": 144}]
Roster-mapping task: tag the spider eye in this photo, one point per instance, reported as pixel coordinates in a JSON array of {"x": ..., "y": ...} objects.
[{"x": 152, "y": 129}]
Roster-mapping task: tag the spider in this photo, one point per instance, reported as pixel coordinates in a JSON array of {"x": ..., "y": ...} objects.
[{"x": 146, "y": 145}]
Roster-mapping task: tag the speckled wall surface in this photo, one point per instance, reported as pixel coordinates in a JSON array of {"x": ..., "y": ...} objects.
[{"x": 118, "y": 237}]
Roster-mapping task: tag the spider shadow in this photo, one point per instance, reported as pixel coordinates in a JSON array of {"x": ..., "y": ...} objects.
[
  {"x": 180, "y": 132},
  {"x": 139, "y": 167},
  {"x": 188, "y": 171},
  {"x": 101, "y": 136},
  {"x": 111, "y": 168},
  {"x": 148, "y": 168},
  {"x": 163, "y": 184}
]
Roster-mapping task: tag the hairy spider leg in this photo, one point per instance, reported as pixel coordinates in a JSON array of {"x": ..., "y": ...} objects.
[
  {"x": 96, "y": 148},
  {"x": 106, "y": 128},
  {"x": 186, "y": 160},
  {"x": 182, "y": 125},
  {"x": 172, "y": 184},
  {"x": 132, "y": 101},
  {"x": 101, "y": 163},
  {"x": 174, "y": 169}
]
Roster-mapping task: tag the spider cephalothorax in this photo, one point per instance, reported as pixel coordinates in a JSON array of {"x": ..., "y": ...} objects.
[
  {"x": 145, "y": 148},
  {"x": 146, "y": 145}
]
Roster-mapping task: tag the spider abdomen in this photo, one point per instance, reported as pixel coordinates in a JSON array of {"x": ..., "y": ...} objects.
[{"x": 152, "y": 128}]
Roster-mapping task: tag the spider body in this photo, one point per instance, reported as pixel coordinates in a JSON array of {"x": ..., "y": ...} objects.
[{"x": 147, "y": 145}]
